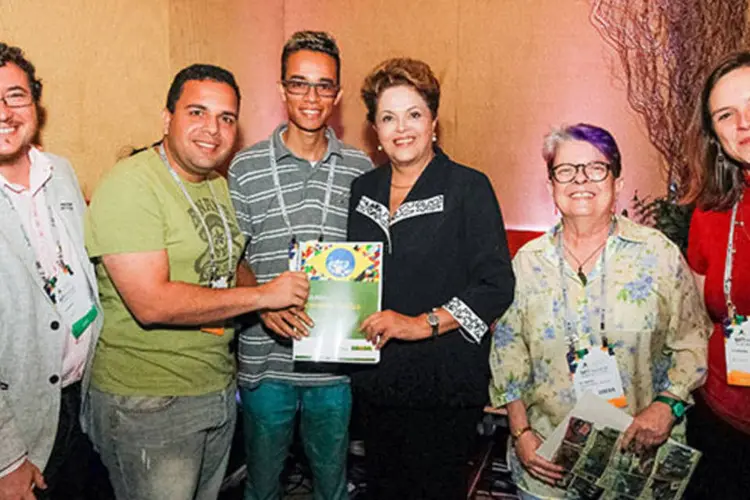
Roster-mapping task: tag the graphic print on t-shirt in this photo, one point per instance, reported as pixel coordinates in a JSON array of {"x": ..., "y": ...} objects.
[{"x": 203, "y": 265}]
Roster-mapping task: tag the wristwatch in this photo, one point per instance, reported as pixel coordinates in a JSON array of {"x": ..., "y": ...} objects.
[
  {"x": 677, "y": 405},
  {"x": 434, "y": 321}
]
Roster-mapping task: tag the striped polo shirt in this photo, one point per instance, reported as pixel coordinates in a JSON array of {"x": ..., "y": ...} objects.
[{"x": 262, "y": 354}]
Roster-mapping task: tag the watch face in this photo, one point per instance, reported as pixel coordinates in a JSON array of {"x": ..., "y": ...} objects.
[
  {"x": 432, "y": 319},
  {"x": 678, "y": 409}
]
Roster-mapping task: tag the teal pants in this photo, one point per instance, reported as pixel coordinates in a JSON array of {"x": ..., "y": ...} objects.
[{"x": 269, "y": 413}]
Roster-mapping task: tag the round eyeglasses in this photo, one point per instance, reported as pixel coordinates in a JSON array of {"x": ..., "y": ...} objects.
[
  {"x": 302, "y": 87},
  {"x": 594, "y": 171}
]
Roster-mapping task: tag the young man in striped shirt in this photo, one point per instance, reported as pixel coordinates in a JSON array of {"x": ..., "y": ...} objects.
[{"x": 294, "y": 187}]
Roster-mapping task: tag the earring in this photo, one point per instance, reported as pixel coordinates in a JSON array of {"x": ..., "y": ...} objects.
[
  {"x": 720, "y": 160},
  {"x": 434, "y": 137},
  {"x": 380, "y": 147}
]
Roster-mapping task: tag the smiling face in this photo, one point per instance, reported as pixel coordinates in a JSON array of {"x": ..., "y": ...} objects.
[
  {"x": 200, "y": 134},
  {"x": 729, "y": 106},
  {"x": 18, "y": 126},
  {"x": 581, "y": 197},
  {"x": 310, "y": 112},
  {"x": 405, "y": 126}
]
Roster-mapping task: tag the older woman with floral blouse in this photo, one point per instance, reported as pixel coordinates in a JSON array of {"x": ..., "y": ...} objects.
[{"x": 600, "y": 288}]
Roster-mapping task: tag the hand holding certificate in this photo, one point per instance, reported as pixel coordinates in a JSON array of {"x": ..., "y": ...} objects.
[{"x": 345, "y": 288}]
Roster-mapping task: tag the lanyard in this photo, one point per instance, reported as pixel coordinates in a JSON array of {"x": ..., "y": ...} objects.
[
  {"x": 280, "y": 194},
  {"x": 51, "y": 280},
  {"x": 199, "y": 215},
  {"x": 571, "y": 323},
  {"x": 731, "y": 308}
]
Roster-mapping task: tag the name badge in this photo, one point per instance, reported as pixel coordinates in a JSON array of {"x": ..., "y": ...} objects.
[
  {"x": 737, "y": 350},
  {"x": 74, "y": 301},
  {"x": 596, "y": 371}
]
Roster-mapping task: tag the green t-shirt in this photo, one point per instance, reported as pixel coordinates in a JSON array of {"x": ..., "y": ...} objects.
[{"x": 139, "y": 207}]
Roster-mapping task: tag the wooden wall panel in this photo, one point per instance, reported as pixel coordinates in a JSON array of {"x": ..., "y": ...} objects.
[
  {"x": 524, "y": 68},
  {"x": 105, "y": 71},
  {"x": 510, "y": 70},
  {"x": 246, "y": 38},
  {"x": 375, "y": 31}
]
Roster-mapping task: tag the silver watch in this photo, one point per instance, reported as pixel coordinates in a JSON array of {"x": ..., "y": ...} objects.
[{"x": 434, "y": 321}]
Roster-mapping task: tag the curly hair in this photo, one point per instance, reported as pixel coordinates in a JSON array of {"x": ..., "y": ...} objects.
[
  {"x": 11, "y": 54},
  {"x": 396, "y": 72},
  {"x": 315, "y": 41}
]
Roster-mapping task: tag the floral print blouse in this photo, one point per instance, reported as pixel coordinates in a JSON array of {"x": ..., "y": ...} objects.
[{"x": 654, "y": 320}]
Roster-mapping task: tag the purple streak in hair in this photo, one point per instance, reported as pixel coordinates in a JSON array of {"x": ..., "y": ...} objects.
[{"x": 601, "y": 140}]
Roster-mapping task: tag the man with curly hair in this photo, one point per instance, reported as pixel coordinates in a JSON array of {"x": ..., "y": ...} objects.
[{"x": 49, "y": 310}]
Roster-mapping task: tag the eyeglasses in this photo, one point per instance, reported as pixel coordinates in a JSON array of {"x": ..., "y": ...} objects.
[
  {"x": 302, "y": 87},
  {"x": 594, "y": 171},
  {"x": 17, "y": 99}
]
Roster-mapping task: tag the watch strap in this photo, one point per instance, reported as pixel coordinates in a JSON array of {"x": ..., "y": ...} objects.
[
  {"x": 676, "y": 405},
  {"x": 434, "y": 321}
]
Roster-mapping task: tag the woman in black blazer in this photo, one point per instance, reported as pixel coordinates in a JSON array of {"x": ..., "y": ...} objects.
[{"x": 447, "y": 276}]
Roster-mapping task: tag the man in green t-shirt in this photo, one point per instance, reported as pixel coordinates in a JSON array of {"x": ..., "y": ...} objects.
[{"x": 167, "y": 246}]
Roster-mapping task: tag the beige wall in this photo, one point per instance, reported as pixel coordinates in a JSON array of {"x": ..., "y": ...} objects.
[{"x": 510, "y": 70}]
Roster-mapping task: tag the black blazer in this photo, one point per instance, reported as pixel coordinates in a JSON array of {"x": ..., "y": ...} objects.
[{"x": 444, "y": 247}]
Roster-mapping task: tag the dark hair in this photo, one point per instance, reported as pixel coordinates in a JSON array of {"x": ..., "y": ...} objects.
[
  {"x": 712, "y": 185},
  {"x": 401, "y": 71},
  {"x": 199, "y": 72},
  {"x": 315, "y": 41},
  {"x": 10, "y": 54},
  {"x": 598, "y": 137}
]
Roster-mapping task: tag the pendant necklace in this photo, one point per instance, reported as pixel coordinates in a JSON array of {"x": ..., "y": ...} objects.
[{"x": 580, "y": 273}]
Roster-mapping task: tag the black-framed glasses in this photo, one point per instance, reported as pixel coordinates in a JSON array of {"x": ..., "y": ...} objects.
[
  {"x": 17, "y": 99},
  {"x": 594, "y": 171},
  {"x": 302, "y": 87}
]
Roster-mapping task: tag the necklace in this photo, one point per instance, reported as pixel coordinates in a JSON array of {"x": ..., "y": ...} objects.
[
  {"x": 406, "y": 186},
  {"x": 580, "y": 273}
]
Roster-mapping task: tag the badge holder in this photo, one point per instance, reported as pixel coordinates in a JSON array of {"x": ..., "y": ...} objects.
[
  {"x": 78, "y": 309},
  {"x": 737, "y": 349},
  {"x": 736, "y": 326},
  {"x": 595, "y": 370}
]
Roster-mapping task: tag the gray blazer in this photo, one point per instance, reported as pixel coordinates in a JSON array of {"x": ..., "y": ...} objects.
[{"x": 31, "y": 331}]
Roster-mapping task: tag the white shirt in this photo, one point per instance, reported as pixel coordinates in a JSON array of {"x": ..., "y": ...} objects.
[{"x": 31, "y": 206}]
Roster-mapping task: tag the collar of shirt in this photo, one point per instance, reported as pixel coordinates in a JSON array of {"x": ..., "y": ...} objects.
[
  {"x": 281, "y": 150},
  {"x": 39, "y": 173},
  {"x": 626, "y": 229}
]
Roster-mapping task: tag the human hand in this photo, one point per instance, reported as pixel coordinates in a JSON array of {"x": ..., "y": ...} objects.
[
  {"x": 288, "y": 323},
  {"x": 19, "y": 484},
  {"x": 649, "y": 428},
  {"x": 542, "y": 469},
  {"x": 382, "y": 326},
  {"x": 289, "y": 289}
]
